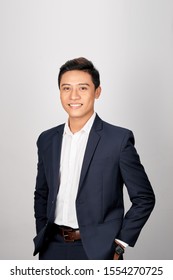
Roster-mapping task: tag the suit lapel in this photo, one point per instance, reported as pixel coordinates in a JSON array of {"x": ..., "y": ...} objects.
[
  {"x": 93, "y": 141},
  {"x": 56, "y": 154}
]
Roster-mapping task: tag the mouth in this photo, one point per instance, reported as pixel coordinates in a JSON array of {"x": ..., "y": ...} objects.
[{"x": 75, "y": 105}]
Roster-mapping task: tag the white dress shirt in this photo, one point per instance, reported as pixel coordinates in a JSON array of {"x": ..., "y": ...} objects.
[{"x": 72, "y": 154}]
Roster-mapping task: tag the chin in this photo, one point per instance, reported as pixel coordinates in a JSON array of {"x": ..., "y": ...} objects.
[{"x": 75, "y": 114}]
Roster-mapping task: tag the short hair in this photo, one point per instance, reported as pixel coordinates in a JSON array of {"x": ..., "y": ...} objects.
[{"x": 81, "y": 64}]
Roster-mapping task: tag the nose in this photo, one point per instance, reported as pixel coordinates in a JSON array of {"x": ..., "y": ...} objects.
[{"x": 74, "y": 94}]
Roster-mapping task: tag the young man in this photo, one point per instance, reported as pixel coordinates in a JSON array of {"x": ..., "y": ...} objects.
[{"x": 83, "y": 165}]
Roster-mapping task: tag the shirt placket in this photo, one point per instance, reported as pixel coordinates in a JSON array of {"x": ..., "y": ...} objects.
[{"x": 70, "y": 179}]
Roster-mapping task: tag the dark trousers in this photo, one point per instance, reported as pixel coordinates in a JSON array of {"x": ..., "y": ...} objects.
[{"x": 57, "y": 249}]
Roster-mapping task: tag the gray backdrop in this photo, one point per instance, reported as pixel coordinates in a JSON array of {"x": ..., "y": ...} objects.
[{"x": 131, "y": 43}]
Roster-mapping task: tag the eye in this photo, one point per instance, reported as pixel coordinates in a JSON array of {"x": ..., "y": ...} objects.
[
  {"x": 83, "y": 88},
  {"x": 66, "y": 88}
]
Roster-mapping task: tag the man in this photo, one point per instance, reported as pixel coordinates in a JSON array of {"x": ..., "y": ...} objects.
[{"x": 83, "y": 165}]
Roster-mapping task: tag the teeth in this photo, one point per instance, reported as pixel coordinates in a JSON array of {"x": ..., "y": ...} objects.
[{"x": 75, "y": 105}]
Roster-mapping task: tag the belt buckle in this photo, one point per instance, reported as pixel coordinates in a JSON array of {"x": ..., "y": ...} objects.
[{"x": 66, "y": 235}]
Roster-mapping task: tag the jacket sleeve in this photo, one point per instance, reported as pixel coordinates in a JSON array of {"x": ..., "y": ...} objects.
[
  {"x": 139, "y": 189},
  {"x": 41, "y": 192}
]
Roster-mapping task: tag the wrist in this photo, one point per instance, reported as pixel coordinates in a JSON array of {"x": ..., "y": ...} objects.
[{"x": 119, "y": 249}]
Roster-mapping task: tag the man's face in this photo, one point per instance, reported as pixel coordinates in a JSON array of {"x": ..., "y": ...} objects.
[{"x": 78, "y": 94}]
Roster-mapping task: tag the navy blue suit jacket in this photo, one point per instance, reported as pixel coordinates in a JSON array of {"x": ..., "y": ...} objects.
[{"x": 110, "y": 162}]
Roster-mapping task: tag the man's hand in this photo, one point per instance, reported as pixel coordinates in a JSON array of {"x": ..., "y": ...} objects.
[
  {"x": 116, "y": 257},
  {"x": 118, "y": 253}
]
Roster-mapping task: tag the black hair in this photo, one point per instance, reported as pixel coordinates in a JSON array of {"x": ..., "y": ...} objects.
[{"x": 81, "y": 64}]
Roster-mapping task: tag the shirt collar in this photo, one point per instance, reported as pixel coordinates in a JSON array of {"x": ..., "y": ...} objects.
[{"x": 86, "y": 128}]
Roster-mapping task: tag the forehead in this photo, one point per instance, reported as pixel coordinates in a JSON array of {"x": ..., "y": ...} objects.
[{"x": 76, "y": 77}]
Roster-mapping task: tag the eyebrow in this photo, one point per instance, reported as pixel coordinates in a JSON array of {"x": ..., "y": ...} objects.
[
  {"x": 80, "y": 84},
  {"x": 65, "y": 85},
  {"x": 83, "y": 84}
]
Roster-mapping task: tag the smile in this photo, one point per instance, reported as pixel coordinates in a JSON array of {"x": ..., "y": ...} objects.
[{"x": 77, "y": 105}]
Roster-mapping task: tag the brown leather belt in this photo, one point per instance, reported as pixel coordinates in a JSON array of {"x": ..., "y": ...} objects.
[{"x": 69, "y": 234}]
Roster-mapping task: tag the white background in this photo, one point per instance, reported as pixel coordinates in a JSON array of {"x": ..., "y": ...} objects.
[{"x": 131, "y": 43}]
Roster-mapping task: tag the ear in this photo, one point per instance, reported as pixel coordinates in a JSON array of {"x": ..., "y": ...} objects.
[{"x": 98, "y": 92}]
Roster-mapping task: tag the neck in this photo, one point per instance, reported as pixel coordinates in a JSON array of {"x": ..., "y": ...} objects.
[{"x": 76, "y": 124}]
